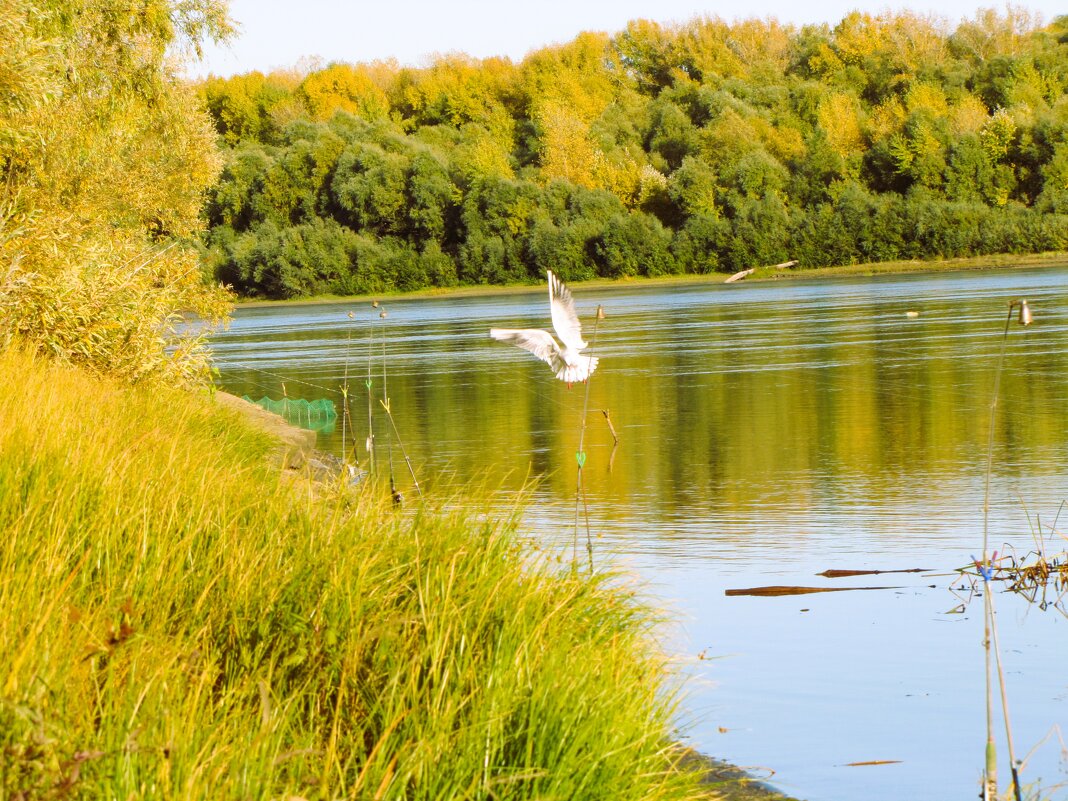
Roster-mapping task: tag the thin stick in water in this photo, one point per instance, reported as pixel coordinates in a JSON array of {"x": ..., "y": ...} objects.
[
  {"x": 385, "y": 402},
  {"x": 369, "y": 382},
  {"x": 1013, "y": 765},
  {"x": 580, "y": 457},
  {"x": 608, "y": 419}
]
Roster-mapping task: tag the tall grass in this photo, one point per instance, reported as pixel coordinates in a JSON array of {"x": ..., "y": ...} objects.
[{"x": 179, "y": 621}]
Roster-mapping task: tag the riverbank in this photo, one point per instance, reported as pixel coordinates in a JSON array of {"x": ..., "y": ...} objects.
[
  {"x": 762, "y": 273},
  {"x": 177, "y": 621}
]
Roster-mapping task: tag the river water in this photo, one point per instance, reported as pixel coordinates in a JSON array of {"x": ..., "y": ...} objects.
[{"x": 768, "y": 432}]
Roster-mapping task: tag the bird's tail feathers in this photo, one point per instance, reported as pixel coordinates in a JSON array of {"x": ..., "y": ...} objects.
[{"x": 574, "y": 373}]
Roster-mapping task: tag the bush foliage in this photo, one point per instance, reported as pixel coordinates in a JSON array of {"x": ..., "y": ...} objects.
[{"x": 104, "y": 159}]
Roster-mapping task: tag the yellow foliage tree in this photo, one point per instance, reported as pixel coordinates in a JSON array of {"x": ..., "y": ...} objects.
[
  {"x": 913, "y": 42},
  {"x": 730, "y": 137},
  {"x": 927, "y": 97},
  {"x": 839, "y": 116},
  {"x": 967, "y": 115},
  {"x": 707, "y": 43},
  {"x": 887, "y": 118},
  {"x": 824, "y": 61},
  {"x": 997, "y": 134},
  {"x": 784, "y": 142},
  {"x": 583, "y": 76},
  {"x": 455, "y": 89},
  {"x": 343, "y": 87},
  {"x": 629, "y": 179},
  {"x": 764, "y": 45},
  {"x": 858, "y": 37},
  {"x": 568, "y": 152},
  {"x": 485, "y": 148},
  {"x": 989, "y": 34}
]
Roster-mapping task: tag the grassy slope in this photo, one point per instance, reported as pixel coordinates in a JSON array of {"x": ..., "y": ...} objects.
[{"x": 176, "y": 621}]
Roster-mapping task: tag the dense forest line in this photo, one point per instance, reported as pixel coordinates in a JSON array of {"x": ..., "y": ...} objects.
[{"x": 690, "y": 148}]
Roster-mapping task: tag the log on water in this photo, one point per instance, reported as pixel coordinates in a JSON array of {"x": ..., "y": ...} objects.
[
  {"x": 851, "y": 573},
  {"x": 779, "y": 590},
  {"x": 739, "y": 276},
  {"x": 870, "y": 762}
]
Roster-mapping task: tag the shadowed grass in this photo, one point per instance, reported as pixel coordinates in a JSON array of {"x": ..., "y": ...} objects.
[{"x": 179, "y": 621}]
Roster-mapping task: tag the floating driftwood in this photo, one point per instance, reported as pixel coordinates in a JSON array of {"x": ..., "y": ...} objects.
[
  {"x": 871, "y": 762},
  {"x": 738, "y": 276},
  {"x": 787, "y": 590},
  {"x": 850, "y": 573}
]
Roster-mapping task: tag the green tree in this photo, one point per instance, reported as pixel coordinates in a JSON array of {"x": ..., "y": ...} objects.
[
  {"x": 564, "y": 249},
  {"x": 1054, "y": 196},
  {"x": 431, "y": 198},
  {"x": 231, "y": 203},
  {"x": 970, "y": 172},
  {"x": 698, "y": 244},
  {"x": 672, "y": 135},
  {"x": 633, "y": 244},
  {"x": 369, "y": 186}
]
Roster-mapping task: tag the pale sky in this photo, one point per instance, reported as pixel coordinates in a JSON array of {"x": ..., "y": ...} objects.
[{"x": 278, "y": 33}]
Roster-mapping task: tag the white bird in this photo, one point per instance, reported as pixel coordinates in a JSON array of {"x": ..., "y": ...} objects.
[{"x": 567, "y": 362}]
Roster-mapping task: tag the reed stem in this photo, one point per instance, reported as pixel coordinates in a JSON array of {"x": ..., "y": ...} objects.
[
  {"x": 990, "y": 772},
  {"x": 1004, "y": 698},
  {"x": 393, "y": 423},
  {"x": 990, "y": 437},
  {"x": 990, "y": 778},
  {"x": 580, "y": 456},
  {"x": 369, "y": 382},
  {"x": 345, "y": 397}
]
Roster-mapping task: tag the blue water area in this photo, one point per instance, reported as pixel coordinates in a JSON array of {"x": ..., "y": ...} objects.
[{"x": 768, "y": 432}]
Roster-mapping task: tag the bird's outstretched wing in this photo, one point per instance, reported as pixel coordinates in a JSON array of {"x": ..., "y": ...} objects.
[
  {"x": 562, "y": 308},
  {"x": 538, "y": 342}
]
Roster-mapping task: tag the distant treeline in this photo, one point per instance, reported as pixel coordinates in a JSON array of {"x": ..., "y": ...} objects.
[{"x": 663, "y": 149}]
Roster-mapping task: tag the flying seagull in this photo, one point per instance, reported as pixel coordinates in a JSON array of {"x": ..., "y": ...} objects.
[{"x": 567, "y": 362}]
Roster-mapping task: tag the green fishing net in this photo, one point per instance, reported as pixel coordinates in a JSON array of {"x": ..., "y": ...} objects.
[{"x": 317, "y": 415}]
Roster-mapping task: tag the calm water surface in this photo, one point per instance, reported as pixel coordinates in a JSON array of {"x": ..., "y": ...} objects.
[{"x": 768, "y": 432}]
